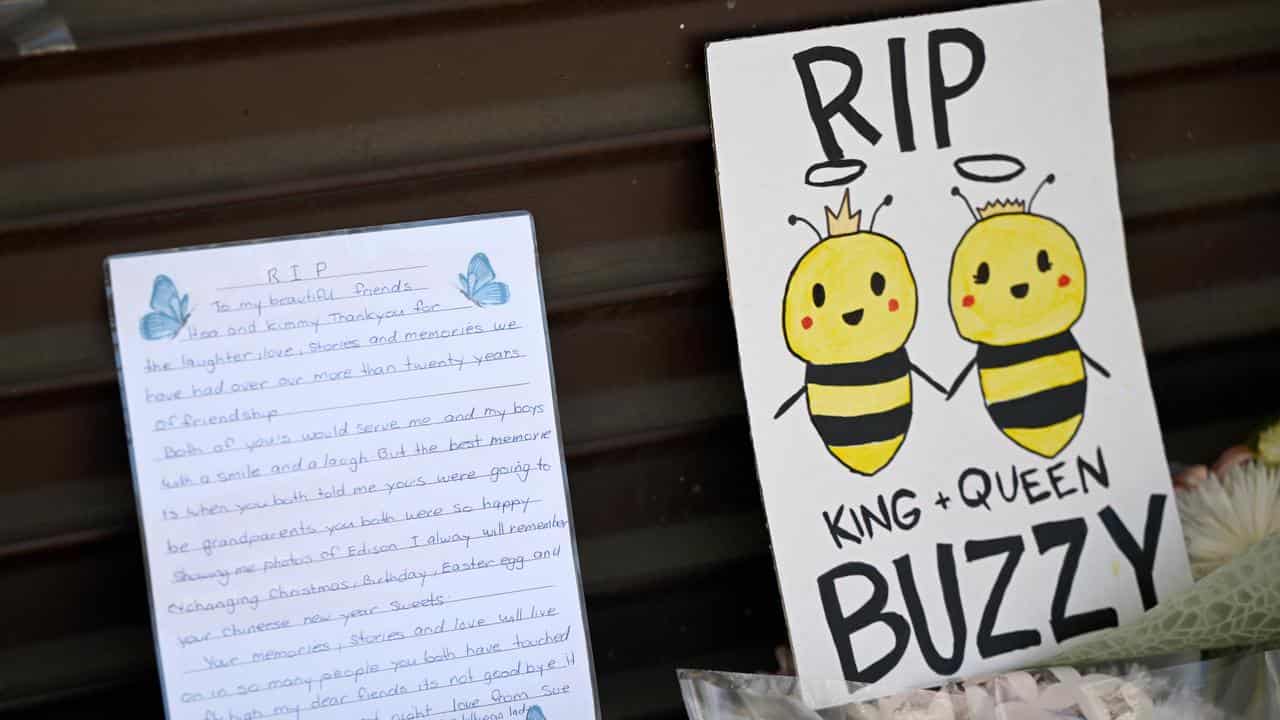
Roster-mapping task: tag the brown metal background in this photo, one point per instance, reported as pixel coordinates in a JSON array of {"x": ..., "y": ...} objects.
[{"x": 593, "y": 116}]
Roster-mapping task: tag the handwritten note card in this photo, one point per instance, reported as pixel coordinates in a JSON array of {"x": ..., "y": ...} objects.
[
  {"x": 948, "y": 398},
  {"x": 350, "y": 478}
]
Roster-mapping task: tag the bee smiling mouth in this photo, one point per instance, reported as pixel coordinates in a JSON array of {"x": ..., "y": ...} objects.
[
  {"x": 853, "y": 318},
  {"x": 1020, "y": 290}
]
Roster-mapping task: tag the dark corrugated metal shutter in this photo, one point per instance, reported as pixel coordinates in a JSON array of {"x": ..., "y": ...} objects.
[{"x": 184, "y": 129}]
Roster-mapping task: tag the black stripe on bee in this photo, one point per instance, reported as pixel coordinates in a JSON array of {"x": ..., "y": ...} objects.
[
  {"x": 890, "y": 366},
  {"x": 1040, "y": 409},
  {"x": 860, "y": 429},
  {"x": 994, "y": 356}
]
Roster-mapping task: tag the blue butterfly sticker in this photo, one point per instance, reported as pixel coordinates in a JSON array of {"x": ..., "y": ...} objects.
[
  {"x": 480, "y": 285},
  {"x": 169, "y": 311},
  {"x": 535, "y": 713}
]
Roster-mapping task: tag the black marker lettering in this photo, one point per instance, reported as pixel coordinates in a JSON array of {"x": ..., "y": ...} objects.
[
  {"x": 843, "y": 626},
  {"x": 990, "y": 644},
  {"x": 1072, "y": 534},
  {"x": 920, "y": 622},
  {"x": 1097, "y": 472},
  {"x": 939, "y": 90},
  {"x": 1141, "y": 557},
  {"x": 901, "y": 103},
  {"x": 841, "y": 104}
]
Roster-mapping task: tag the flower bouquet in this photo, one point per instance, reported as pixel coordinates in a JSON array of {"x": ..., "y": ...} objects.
[{"x": 1243, "y": 687}]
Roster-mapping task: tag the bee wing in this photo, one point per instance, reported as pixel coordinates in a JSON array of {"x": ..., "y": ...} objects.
[
  {"x": 535, "y": 713},
  {"x": 160, "y": 325}
]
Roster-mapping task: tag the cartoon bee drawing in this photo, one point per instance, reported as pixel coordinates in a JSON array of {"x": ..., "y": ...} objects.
[
  {"x": 1017, "y": 288},
  {"x": 848, "y": 309}
]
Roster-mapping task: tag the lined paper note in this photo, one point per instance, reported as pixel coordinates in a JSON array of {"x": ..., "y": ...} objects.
[{"x": 350, "y": 478}]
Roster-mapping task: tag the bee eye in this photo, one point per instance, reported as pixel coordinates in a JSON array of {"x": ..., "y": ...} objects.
[
  {"x": 819, "y": 294},
  {"x": 877, "y": 283},
  {"x": 1042, "y": 261},
  {"x": 983, "y": 275}
]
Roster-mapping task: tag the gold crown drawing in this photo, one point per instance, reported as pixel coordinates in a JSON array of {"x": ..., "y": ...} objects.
[
  {"x": 1001, "y": 207},
  {"x": 841, "y": 222}
]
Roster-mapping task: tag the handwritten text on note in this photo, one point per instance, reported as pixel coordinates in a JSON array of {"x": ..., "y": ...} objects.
[{"x": 350, "y": 478}]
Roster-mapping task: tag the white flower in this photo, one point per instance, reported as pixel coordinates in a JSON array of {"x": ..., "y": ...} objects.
[
  {"x": 1269, "y": 444},
  {"x": 1222, "y": 517}
]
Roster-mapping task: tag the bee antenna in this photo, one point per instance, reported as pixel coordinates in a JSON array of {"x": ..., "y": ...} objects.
[
  {"x": 793, "y": 219},
  {"x": 888, "y": 200},
  {"x": 1048, "y": 180},
  {"x": 955, "y": 191}
]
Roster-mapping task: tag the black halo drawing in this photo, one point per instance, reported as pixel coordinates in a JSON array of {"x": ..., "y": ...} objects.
[
  {"x": 970, "y": 167},
  {"x": 833, "y": 173}
]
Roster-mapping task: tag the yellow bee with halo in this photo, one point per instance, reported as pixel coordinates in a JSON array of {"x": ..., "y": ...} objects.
[
  {"x": 849, "y": 307},
  {"x": 1017, "y": 288}
]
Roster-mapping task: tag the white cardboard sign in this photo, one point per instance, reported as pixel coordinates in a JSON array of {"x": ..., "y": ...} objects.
[
  {"x": 350, "y": 478},
  {"x": 953, "y": 425}
]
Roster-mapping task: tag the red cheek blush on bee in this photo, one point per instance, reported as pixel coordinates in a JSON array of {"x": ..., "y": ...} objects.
[
  {"x": 893, "y": 304},
  {"x": 806, "y": 322},
  {"x": 1063, "y": 281},
  {"x": 967, "y": 301}
]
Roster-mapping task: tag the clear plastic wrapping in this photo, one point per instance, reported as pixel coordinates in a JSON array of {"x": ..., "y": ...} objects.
[{"x": 1240, "y": 687}]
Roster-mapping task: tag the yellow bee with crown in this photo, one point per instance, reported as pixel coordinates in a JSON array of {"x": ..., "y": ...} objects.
[
  {"x": 1017, "y": 288},
  {"x": 849, "y": 307}
]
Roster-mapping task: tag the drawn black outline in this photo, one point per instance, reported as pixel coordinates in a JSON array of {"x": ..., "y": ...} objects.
[
  {"x": 960, "y": 163},
  {"x": 859, "y": 168},
  {"x": 912, "y": 367},
  {"x": 1088, "y": 361}
]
